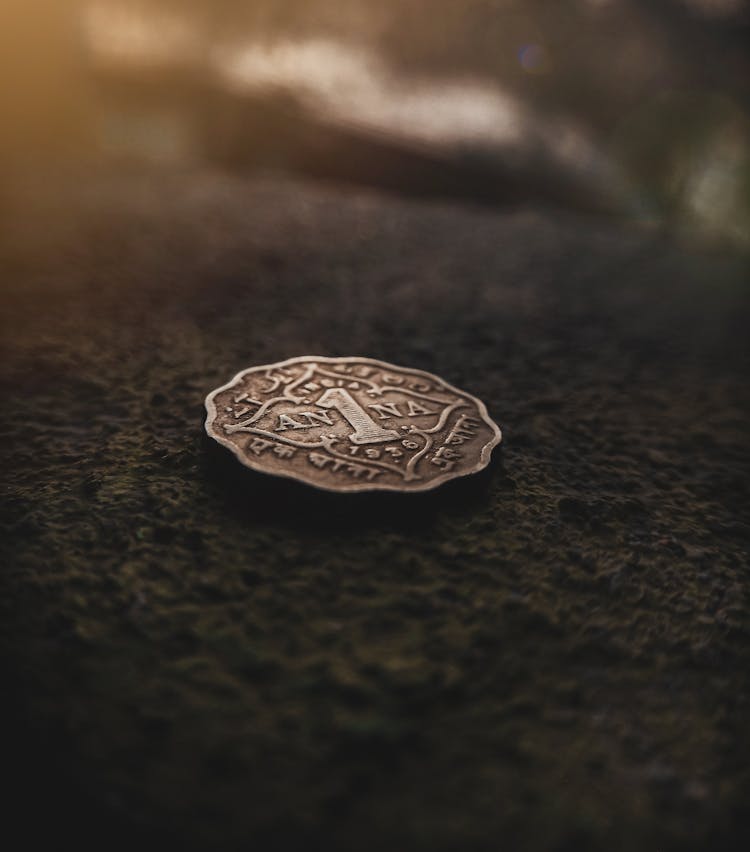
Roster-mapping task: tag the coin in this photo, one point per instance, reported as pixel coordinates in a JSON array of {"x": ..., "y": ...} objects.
[{"x": 351, "y": 424}]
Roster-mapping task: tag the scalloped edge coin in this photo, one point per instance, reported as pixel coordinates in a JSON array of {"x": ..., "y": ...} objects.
[{"x": 302, "y": 447}]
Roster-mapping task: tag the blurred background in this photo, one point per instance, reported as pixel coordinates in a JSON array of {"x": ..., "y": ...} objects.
[{"x": 636, "y": 108}]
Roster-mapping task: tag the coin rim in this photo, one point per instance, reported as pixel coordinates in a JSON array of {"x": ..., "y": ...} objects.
[{"x": 484, "y": 458}]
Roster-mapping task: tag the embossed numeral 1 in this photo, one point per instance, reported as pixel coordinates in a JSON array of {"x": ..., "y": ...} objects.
[{"x": 366, "y": 430}]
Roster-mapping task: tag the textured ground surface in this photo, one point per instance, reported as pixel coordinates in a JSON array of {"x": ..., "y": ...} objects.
[{"x": 552, "y": 657}]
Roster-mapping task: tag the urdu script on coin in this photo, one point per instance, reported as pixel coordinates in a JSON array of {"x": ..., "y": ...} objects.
[{"x": 351, "y": 424}]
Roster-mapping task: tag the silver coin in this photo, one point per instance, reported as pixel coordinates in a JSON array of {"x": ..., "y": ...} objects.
[{"x": 351, "y": 424}]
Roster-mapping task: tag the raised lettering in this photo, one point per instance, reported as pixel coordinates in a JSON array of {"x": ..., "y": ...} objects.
[
  {"x": 318, "y": 416},
  {"x": 287, "y": 422},
  {"x": 416, "y": 408},
  {"x": 386, "y": 409},
  {"x": 314, "y": 418}
]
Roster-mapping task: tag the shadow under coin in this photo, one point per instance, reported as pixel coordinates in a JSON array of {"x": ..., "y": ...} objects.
[{"x": 259, "y": 498}]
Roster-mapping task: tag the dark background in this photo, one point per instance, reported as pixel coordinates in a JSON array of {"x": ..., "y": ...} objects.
[{"x": 546, "y": 204}]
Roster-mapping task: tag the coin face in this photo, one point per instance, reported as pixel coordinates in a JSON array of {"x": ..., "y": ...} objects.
[{"x": 351, "y": 424}]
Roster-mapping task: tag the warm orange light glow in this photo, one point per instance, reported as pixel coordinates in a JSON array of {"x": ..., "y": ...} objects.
[{"x": 139, "y": 35}]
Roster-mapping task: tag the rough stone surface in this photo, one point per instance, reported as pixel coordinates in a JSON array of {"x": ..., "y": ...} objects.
[{"x": 554, "y": 656}]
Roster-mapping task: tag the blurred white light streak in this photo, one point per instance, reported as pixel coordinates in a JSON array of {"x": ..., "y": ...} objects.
[
  {"x": 346, "y": 83},
  {"x": 351, "y": 84},
  {"x": 714, "y": 190}
]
